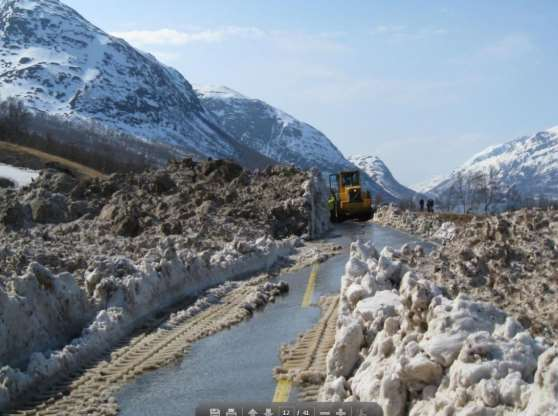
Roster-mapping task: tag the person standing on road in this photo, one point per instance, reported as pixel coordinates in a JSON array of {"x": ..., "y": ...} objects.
[
  {"x": 430, "y": 205},
  {"x": 421, "y": 204}
]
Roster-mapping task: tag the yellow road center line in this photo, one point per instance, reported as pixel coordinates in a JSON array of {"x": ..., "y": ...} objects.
[
  {"x": 282, "y": 391},
  {"x": 307, "y": 299}
]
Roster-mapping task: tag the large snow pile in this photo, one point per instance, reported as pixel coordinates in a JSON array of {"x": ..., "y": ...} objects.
[
  {"x": 18, "y": 176},
  {"x": 62, "y": 222},
  {"x": 87, "y": 259},
  {"x": 434, "y": 227},
  {"x": 405, "y": 345},
  {"x": 510, "y": 260}
]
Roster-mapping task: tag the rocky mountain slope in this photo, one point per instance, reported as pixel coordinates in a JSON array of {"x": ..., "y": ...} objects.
[
  {"x": 377, "y": 170},
  {"x": 56, "y": 62},
  {"x": 527, "y": 164}
]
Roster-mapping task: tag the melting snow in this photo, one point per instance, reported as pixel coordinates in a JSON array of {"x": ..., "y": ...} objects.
[{"x": 21, "y": 177}]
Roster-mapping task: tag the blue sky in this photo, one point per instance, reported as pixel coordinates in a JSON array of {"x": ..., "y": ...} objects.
[{"x": 422, "y": 84}]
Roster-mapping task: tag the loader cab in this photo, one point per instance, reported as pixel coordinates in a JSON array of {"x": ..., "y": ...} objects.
[
  {"x": 338, "y": 182},
  {"x": 347, "y": 199}
]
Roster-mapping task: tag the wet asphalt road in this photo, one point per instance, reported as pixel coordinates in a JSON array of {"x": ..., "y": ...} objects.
[{"x": 236, "y": 365}]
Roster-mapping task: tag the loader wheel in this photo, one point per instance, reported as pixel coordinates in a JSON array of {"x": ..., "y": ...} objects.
[
  {"x": 367, "y": 216},
  {"x": 335, "y": 217}
]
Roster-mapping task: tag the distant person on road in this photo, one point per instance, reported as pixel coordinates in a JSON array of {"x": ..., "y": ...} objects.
[
  {"x": 430, "y": 205},
  {"x": 421, "y": 204}
]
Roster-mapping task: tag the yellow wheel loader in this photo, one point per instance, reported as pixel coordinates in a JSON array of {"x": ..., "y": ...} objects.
[{"x": 347, "y": 199}]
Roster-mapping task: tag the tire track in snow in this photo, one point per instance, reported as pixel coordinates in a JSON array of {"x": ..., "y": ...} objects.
[
  {"x": 304, "y": 363},
  {"x": 90, "y": 390}
]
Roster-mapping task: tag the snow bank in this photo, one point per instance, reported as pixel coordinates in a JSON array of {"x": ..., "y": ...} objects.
[
  {"x": 414, "y": 351},
  {"x": 316, "y": 194},
  {"x": 446, "y": 232},
  {"x": 21, "y": 177},
  {"x": 424, "y": 225},
  {"x": 120, "y": 294}
]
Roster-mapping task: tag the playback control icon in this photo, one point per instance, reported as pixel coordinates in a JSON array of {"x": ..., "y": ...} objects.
[{"x": 289, "y": 409}]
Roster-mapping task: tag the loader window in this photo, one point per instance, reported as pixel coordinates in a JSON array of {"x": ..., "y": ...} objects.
[
  {"x": 334, "y": 183},
  {"x": 351, "y": 179}
]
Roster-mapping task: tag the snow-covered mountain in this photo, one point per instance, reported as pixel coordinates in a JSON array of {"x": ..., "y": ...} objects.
[
  {"x": 271, "y": 131},
  {"x": 377, "y": 170},
  {"x": 426, "y": 186},
  {"x": 278, "y": 135},
  {"x": 527, "y": 164},
  {"x": 56, "y": 62}
]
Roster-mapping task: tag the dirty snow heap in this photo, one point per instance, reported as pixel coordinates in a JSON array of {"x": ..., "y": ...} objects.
[
  {"x": 83, "y": 260},
  {"x": 401, "y": 342}
]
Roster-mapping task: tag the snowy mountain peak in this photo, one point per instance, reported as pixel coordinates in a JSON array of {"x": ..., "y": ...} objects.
[
  {"x": 219, "y": 91},
  {"x": 30, "y": 4},
  {"x": 377, "y": 170},
  {"x": 527, "y": 164},
  {"x": 16, "y": 19},
  {"x": 277, "y": 134},
  {"x": 369, "y": 160},
  {"x": 271, "y": 131}
]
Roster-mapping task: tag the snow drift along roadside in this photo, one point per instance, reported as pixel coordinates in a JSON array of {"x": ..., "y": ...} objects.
[
  {"x": 403, "y": 344},
  {"x": 428, "y": 226},
  {"x": 164, "y": 277}
]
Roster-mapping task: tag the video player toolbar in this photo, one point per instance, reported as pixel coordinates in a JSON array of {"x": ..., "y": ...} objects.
[{"x": 288, "y": 409}]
